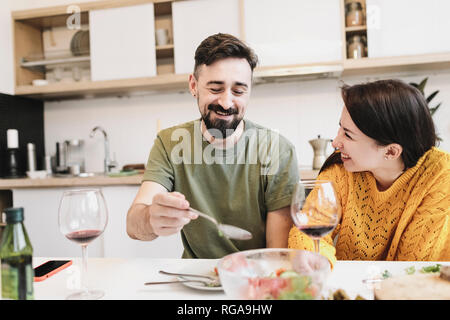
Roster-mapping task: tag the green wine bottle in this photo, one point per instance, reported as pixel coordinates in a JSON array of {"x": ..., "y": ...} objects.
[{"x": 16, "y": 254}]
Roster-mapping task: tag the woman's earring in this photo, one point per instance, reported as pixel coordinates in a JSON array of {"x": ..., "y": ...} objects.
[{"x": 386, "y": 158}]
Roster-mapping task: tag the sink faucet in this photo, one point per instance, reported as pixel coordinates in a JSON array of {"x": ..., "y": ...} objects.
[{"x": 108, "y": 163}]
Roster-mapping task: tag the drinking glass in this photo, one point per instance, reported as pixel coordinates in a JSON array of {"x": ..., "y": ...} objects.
[
  {"x": 82, "y": 217},
  {"x": 315, "y": 208}
]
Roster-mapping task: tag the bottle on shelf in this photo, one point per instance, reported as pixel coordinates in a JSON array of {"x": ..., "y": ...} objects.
[
  {"x": 354, "y": 14},
  {"x": 16, "y": 254},
  {"x": 356, "y": 47}
]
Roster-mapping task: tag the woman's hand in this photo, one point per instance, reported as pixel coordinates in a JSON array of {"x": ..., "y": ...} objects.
[{"x": 306, "y": 262}]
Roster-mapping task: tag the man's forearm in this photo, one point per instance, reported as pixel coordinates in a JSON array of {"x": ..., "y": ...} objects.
[
  {"x": 138, "y": 223},
  {"x": 278, "y": 225}
]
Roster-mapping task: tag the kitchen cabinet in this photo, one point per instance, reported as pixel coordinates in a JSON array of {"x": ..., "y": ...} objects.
[
  {"x": 122, "y": 42},
  {"x": 407, "y": 27},
  {"x": 41, "y": 221},
  {"x": 293, "y": 32},
  {"x": 294, "y": 39},
  {"x": 399, "y": 42},
  {"x": 195, "y": 20},
  {"x": 122, "y": 55}
]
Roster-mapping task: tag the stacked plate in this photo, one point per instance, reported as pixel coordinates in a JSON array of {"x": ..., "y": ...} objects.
[{"x": 80, "y": 43}]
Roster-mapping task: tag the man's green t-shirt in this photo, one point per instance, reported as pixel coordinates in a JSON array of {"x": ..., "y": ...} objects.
[{"x": 238, "y": 185}]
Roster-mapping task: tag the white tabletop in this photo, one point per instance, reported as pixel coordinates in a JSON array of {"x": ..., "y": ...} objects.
[{"x": 124, "y": 278}]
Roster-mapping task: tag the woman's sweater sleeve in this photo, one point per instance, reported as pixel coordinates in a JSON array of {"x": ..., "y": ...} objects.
[{"x": 427, "y": 235}]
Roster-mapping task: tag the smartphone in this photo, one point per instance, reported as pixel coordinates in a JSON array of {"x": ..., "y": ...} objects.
[{"x": 49, "y": 268}]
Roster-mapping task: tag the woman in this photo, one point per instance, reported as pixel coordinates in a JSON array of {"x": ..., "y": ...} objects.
[{"x": 392, "y": 182}]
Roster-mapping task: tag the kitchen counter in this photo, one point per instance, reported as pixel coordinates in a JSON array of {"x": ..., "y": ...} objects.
[
  {"x": 100, "y": 180},
  {"x": 52, "y": 182}
]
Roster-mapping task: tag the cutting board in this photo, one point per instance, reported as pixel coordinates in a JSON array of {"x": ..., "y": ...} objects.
[{"x": 413, "y": 287}]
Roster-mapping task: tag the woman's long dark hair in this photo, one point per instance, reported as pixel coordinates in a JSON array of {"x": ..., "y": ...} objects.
[{"x": 390, "y": 111}]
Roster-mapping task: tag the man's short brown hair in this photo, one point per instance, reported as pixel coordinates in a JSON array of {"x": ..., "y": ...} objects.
[{"x": 220, "y": 46}]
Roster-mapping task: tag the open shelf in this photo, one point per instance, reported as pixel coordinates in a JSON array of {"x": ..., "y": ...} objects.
[
  {"x": 31, "y": 30},
  {"x": 48, "y": 62},
  {"x": 165, "y": 51},
  {"x": 356, "y": 29},
  {"x": 387, "y": 65},
  {"x": 165, "y": 63},
  {"x": 355, "y": 33},
  {"x": 89, "y": 89}
]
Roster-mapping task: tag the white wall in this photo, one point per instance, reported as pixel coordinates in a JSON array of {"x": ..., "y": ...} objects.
[{"x": 300, "y": 111}]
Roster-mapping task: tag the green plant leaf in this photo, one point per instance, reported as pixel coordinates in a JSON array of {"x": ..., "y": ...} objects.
[
  {"x": 422, "y": 85},
  {"x": 434, "y": 109},
  {"x": 431, "y": 96}
]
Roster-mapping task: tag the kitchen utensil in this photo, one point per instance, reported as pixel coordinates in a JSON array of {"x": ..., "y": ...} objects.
[
  {"x": 79, "y": 45},
  {"x": 162, "y": 37},
  {"x": 39, "y": 82},
  {"x": 319, "y": 146},
  {"x": 206, "y": 267},
  {"x": 31, "y": 156},
  {"x": 272, "y": 274},
  {"x": 70, "y": 156},
  {"x": 371, "y": 280},
  {"x": 189, "y": 275},
  {"x": 205, "y": 283},
  {"x": 229, "y": 231},
  {"x": 37, "y": 174}
]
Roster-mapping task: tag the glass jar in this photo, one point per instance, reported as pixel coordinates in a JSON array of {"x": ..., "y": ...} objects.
[
  {"x": 356, "y": 47},
  {"x": 354, "y": 14}
]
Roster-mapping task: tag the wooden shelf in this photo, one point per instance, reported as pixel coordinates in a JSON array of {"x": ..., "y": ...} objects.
[
  {"x": 164, "y": 51},
  {"x": 397, "y": 64},
  {"x": 356, "y": 28},
  {"x": 87, "y": 89},
  {"x": 47, "y": 62}
]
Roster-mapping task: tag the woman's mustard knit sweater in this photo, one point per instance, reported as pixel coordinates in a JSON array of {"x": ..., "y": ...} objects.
[{"x": 408, "y": 221}]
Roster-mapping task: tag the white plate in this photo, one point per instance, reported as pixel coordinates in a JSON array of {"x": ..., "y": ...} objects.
[{"x": 201, "y": 267}]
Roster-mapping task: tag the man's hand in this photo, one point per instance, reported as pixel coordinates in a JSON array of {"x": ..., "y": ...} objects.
[{"x": 168, "y": 213}]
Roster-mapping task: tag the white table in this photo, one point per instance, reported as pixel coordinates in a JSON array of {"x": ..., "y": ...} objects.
[{"x": 124, "y": 279}]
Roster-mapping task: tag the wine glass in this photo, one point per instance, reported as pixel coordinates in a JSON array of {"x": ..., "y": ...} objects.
[
  {"x": 82, "y": 217},
  {"x": 315, "y": 208}
]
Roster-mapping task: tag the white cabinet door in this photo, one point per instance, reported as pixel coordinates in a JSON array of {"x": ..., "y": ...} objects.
[
  {"x": 117, "y": 243},
  {"x": 122, "y": 42},
  {"x": 285, "y": 32},
  {"x": 195, "y": 20},
  {"x": 407, "y": 27},
  {"x": 41, "y": 221}
]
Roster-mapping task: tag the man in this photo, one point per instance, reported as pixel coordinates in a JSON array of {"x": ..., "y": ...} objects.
[{"x": 230, "y": 168}]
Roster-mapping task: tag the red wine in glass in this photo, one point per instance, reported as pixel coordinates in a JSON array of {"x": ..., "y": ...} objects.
[
  {"x": 82, "y": 217},
  {"x": 315, "y": 208},
  {"x": 83, "y": 236},
  {"x": 317, "y": 232}
]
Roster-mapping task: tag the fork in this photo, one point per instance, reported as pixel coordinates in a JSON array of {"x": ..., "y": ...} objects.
[
  {"x": 188, "y": 275},
  {"x": 205, "y": 283}
]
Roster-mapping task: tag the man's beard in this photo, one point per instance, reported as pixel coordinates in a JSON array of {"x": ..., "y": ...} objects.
[{"x": 219, "y": 128}]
